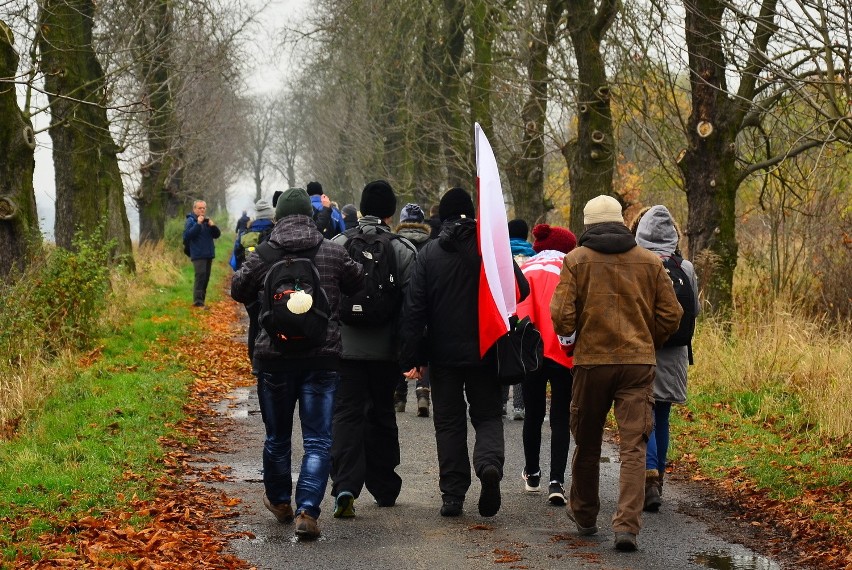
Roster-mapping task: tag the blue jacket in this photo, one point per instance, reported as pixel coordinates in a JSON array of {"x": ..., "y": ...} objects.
[
  {"x": 256, "y": 226},
  {"x": 200, "y": 237},
  {"x": 337, "y": 224}
]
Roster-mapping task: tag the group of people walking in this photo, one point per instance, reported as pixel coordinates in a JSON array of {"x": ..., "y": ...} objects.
[{"x": 402, "y": 303}]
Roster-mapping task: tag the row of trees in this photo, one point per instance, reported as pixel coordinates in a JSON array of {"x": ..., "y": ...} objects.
[
  {"x": 142, "y": 97},
  {"x": 710, "y": 106}
]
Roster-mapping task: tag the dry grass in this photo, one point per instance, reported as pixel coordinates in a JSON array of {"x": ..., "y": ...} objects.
[{"x": 780, "y": 348}]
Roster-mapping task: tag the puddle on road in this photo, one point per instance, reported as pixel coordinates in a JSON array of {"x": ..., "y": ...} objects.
[{"x": 719, "y": 561}]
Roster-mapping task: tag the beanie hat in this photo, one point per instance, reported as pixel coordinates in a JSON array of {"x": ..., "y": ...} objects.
[
  {"x": 349, "y": 210},
  {"x": 411, "y": 213},
  {"x": 455, "y": 203},
  {"x": 275, "y": 196},
  {"x": 293, "y": 201},
  {"x": 314, "y": 189},
  {"x": 263, "y": 211},
  {"x": 602, "y": 209},
  {"x": 378, "y": 199},
  {"x": 553, "y": 237},
  {"x": 518, "y": 229}
]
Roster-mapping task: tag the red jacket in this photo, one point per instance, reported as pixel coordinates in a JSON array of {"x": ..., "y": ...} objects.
[{"x": 542, "y": 271}]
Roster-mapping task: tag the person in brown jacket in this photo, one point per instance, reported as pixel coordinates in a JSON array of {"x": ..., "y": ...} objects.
[{"x": 620, "y": 302}]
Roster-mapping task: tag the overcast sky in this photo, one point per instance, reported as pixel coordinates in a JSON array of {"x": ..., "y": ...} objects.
[{"x": 268, "y": 73}]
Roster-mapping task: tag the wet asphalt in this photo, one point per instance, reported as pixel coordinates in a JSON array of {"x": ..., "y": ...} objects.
[{"x": 527, "y": 532}]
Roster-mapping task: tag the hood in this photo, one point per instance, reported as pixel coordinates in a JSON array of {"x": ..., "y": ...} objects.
[
  {"x": 608, "y": 237},
  {"x": 414, "y": 232},
  {"x": 459, "y": 235},
  {"x": 295, "y": 233},
  {"x": 656, "y": 231}
]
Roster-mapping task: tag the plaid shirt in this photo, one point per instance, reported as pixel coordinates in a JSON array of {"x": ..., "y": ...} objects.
[{"x": 338, "y": 273}]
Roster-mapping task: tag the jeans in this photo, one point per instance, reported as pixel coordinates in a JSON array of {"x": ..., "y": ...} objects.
[
  {"x": 535, "y": 402},
  {"x": 202, "y": 277},
  {"x": 366, "y": 438},
  {"x": 658, "y": 442},
  {"x": 278, "y": 393},
  {"x": 627, "y": 387},
  {"x": 449, "y": 388}
]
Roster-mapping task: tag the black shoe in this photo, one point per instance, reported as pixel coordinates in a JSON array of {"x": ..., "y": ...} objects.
[
  {"x": 556, "y": 493},
  {"x": 385, "y": 502},
  {"x": 531, "y": 482},
  {"x": 489, "y": 497},
  {"x": 452, "y": 507}
]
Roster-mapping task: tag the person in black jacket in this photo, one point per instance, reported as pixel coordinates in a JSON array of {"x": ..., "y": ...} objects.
[{"x": 440, "y": 327}]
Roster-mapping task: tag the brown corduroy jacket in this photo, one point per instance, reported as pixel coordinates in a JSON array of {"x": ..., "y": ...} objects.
[{"x": 617, "y": 297}]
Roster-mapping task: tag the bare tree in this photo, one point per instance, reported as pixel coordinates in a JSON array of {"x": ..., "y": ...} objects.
[{"x": 261, "y": 117}]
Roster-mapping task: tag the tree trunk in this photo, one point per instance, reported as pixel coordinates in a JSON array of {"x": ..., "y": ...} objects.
[
  {"x": 457, "y": 131},
  {"x": 158, "y": 178},
  {"x": 590, "y": 156},
  {"x": 18, "y": 217},
  {"x": 526, "y": 168},
  {"x": 709, "y": 168},
  {"x": 89, "y": 188}
]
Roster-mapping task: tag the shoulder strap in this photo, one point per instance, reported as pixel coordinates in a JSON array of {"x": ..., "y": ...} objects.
[{"x": 270, "y": 254}]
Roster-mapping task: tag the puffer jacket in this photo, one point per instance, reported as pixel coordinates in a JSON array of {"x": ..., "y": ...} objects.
[
  {"x": 616, "y": 296},
  {"x": 338, "y": 274},
  {"x": 382, "y": 342},
  {"x": 442, "y": 300},
  {"x": 200, "y": 237},
  {"x": 656, "y": 232}
]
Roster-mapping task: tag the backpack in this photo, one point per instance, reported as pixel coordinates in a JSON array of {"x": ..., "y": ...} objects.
[
  {"x": 686, "y": 298},
  {"x": 248, "y": 241},
  {"x": 294, "y": 309},
  {"x": 381, "y": 296},
  {"x": 186, "y": 247}
]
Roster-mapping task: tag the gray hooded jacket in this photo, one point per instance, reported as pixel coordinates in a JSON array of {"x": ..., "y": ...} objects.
[{"x": 656, "y": 232}]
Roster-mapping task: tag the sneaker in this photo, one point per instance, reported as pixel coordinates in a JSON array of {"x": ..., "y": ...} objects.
[
  {"x": 531, "y": 482},
  {"x": 556, "y": 493},
  {"x": 344, "y": 505},
  {"x": 489, "y": 497},
  {"x": 283, "y": 511},
  {"x": 307, "y": 527},
  {"x": 581, "y": 530},
  {"x": 625, "y": 541},
  {"x": 518, "y": 414},
  {"x": 452, "y": 506}
]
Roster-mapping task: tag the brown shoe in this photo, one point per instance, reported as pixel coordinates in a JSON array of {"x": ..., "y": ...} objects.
[
  {"x": 653, "y": 492},
  {"x": 306, "y": 526},
  {"x": 283, "y": 511}
]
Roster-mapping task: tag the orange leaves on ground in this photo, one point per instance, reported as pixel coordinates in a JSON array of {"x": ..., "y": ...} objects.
[{"x": 185, "y": 529}]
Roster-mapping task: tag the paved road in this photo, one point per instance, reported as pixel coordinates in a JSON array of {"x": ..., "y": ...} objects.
[{"x": 526, "y": 533}]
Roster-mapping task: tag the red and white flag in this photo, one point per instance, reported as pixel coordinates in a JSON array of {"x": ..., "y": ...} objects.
[{"x": 497, "y": 288}]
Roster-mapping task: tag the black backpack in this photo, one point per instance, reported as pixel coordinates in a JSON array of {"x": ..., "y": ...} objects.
[
  {"x": 294, "y": 309},
  {"x": 186, "y": 247},
  {"x": 381, "y": 297},
  {"x": 686, "y": 298}
]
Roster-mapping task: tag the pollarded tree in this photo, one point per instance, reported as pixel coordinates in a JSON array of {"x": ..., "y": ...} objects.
[
  {"x": 18, "y": 218},
  {"x": 89, "y": 188}
]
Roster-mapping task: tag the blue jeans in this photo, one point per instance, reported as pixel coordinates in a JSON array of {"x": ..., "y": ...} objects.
[
  {"x": 278, "y": 393},
  {"x": 658, "y": 442}
]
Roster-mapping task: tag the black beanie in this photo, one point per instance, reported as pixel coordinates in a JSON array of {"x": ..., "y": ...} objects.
[
  {"x": 455, "y": 203},
  {"x": 518, "y": 229},
  {"x": 314, "y": 189},
  {"x": 275, "y": 196},
  {"x": 378, "y": 199}
]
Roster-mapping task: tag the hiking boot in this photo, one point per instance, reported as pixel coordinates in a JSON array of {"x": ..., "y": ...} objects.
[
  {"x": 399, "y": 405},
  {"x": 489, "y": 497},
  {"x": 384, "y": 503},
  {"x": 283, "y": 511},
  {"x": 653, "y": 498},
  {"x": 423, "y": 402},
  {"x": 518, "y": 414},
  {"x": 556, "y": 493},
  {"x": 307, "y": 527},
  {"x": 625, "y": 541},
  {"x": 452, "y": 506},
  {"x": 581, "y": 530},
  {"x": 344, "y": 505},
  {"x": 531, "y": 482}
]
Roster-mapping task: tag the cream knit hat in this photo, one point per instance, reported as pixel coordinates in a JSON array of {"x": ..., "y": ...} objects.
[{"x": 602, "y": 209}]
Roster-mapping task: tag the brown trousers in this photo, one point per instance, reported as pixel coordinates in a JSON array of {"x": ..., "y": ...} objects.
[{"x": 596, "y": 389}]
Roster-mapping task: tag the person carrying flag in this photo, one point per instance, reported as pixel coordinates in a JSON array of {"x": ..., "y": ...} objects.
[{"x": 440, "y": 328}]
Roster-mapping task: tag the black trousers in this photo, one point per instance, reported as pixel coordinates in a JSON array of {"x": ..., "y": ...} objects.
[
  {"x": 535, "y": 402},
  {"x": 202, "y": 277},
  {"x": 450, "y": 386},
  {"x": 365, "y": 438}
]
